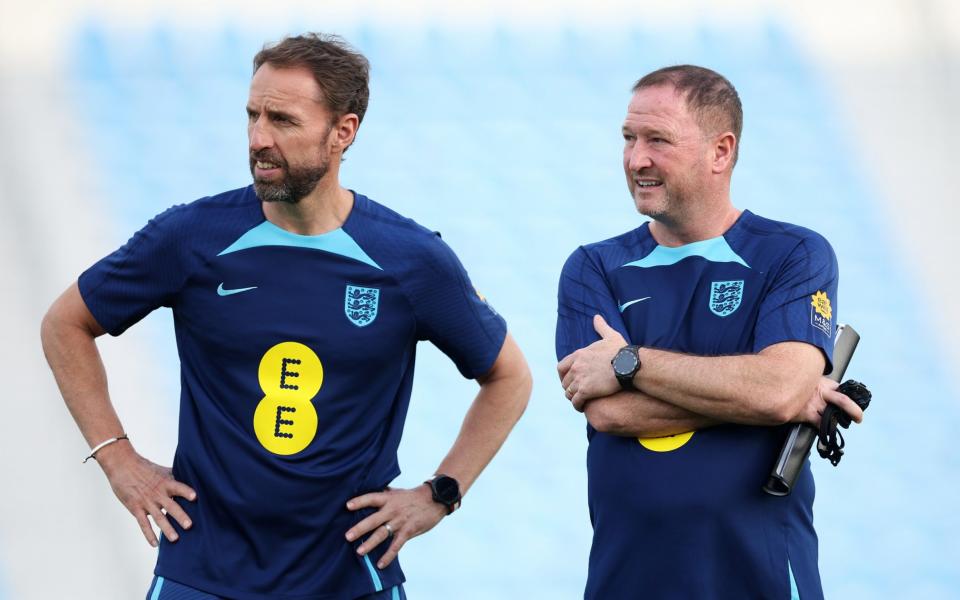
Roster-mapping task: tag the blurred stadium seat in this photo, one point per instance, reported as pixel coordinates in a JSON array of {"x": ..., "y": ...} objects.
[{"x": 507, "y": 141}]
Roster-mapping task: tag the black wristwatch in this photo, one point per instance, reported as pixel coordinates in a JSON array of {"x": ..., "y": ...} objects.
[
  {"x": 626, "y": 363},
  {"x": 446, "y": 491}
]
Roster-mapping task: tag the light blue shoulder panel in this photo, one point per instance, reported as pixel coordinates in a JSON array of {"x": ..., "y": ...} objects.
[
  {"x": 337, "y": 241},
  {"x": 715, "y": 250}
]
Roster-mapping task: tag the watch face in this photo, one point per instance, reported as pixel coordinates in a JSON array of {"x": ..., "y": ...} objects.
[
  {"x": 625, "y": 362},
  {"x": 447, "y": 489}
]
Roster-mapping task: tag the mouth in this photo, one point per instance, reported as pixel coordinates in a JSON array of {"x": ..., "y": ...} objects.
[
  {"x": 264, "y": 169},
  {"x": 646, "y": 183}
]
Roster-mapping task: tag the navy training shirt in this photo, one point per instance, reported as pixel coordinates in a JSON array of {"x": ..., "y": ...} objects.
[
  {"x": 297, "y": 358},
  {"x": 684, "y": 516}
]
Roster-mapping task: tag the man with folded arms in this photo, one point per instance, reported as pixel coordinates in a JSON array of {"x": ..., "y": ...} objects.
[{"x": 688, "y": 342}]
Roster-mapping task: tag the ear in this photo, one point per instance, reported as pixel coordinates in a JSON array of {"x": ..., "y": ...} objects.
[
  {"x": 724, "y": 151},
  {"x": 343, "y": 132}
]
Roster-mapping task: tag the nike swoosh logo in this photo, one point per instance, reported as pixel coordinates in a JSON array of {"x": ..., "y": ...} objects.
[
  {"x": 224, "y": 292},
  {"x": 626, "y": 305}
]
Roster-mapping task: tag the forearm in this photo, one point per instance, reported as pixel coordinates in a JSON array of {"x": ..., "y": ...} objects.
[
  {"x": 496, "y": 409},
  {"x": 71, "y": 351},
  {"x": 635, "y": 414},
  {"x": 769, "y": 388}
]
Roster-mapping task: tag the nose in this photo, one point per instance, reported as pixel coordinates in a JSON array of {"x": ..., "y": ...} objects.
[
  {"x": 638, "y": 158},
  {"x": 259, "y": 135}
]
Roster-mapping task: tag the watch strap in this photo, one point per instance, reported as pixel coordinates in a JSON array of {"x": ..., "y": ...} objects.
[{"x": 452, "y": 503}]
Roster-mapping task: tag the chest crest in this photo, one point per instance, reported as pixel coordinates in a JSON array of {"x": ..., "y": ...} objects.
[
  {"x": 725, "y": 297},
  {"x": 361, "y": 304}
]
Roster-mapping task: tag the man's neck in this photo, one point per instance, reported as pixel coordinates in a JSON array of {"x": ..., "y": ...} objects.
[
  {"x": 709, "y": 222},
  {"x": 322, "y": 210}
]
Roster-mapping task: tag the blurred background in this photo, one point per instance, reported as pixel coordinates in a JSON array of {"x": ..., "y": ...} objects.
[{"x": 498, "y": 125}]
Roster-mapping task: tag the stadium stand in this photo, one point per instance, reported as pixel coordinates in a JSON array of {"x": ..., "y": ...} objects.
[{"x": 505, "y": 139}]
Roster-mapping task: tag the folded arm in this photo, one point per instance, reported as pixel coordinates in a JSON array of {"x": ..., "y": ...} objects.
[
  {"x": 768, "y": 388},
  {"x": 635, "y": 414},
  {"x": 679, "y": 392}
]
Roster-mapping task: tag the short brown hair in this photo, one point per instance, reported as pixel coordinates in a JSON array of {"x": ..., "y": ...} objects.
[
  {"x": 709, "y": 95},
  {"x": 342, "y": 73}
]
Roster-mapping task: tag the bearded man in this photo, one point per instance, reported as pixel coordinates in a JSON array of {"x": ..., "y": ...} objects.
[{"x": 298, "y": 305}]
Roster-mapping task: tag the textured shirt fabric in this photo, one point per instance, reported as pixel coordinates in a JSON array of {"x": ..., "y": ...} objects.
[
  {"x": 685, "y": 516},
  {"x": 297, "y": 357}
]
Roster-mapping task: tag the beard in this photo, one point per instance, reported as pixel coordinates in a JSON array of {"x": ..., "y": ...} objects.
[
  {"x": 670, "y": 210},
  {"x": 673, "y": 201},
  {"x": 654, "y": 203},
  {"x": 297, "y": 181}
]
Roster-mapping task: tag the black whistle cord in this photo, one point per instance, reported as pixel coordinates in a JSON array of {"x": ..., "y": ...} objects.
[
  {"x": 833, "y": 417},
  {"x": 828, "y": 446}
]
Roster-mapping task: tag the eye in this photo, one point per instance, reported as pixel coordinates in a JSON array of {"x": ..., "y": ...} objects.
[
  {"x": 251, "y": 115},
  {"x": 657, "y": 140},
  {"x": 283, "y": 120},
  {"x": 629, "y": 137}
]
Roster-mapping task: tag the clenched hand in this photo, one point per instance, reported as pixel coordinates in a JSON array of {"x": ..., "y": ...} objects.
[
  {"x": 587, "y": 373},
  {"x": 826, "y": 392}
]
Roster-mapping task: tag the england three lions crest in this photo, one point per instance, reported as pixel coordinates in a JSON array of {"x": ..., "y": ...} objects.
[
  {"x": 360, "y": 304},
  {"x": 725, "y": 297}
]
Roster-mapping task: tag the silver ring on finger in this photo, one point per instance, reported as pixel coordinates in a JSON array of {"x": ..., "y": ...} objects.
[{"x": 389, "y": 530}]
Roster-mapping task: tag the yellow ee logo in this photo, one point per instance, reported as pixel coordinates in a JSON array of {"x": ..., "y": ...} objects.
[
  {"x": 666, "y": 444},
  {"x": 290, "y": 375}
]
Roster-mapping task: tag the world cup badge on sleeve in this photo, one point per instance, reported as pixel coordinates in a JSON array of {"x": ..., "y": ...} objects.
[
  {"x": 725, "y": 297},
  {"x": 360, "y": 304}
]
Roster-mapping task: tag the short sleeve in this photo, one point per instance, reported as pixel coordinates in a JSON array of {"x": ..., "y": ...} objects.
[
  {"x": 452, "y": 314},
  {"x": 583, "y": 292},
  {"x": 142, "y": 275},
  {"x": 802, "y": 302}
]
